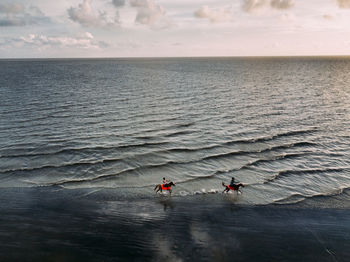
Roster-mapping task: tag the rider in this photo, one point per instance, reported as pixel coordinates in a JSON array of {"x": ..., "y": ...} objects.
[
  {"x": 165, "y": 183},
  {"x": 232, "y": 184}
]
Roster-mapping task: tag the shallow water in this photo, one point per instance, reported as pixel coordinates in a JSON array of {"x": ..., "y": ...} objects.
[{"x": 280, "y": 126}]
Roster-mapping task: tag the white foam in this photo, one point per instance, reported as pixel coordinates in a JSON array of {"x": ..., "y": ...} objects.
[
  {"x": 184, "y": 193},
  {"x": 213, "y": 191}
]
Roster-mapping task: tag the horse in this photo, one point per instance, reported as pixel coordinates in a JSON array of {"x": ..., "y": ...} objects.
[
  {"x": 161, "y": 187},
  {"x": 235, "y": 187}
]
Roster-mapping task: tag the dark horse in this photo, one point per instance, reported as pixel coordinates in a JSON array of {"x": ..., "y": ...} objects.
[
  {"x": 161, "y": 187},
  {"x": 235, "y": 187}
]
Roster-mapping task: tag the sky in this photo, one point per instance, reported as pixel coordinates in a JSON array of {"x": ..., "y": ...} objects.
[{"x": 173, "y": 28}]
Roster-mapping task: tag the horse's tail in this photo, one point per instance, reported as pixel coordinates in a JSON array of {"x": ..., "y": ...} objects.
[
  {"x": 223, "y": 184},
  {"x": 156, "y": 187}
]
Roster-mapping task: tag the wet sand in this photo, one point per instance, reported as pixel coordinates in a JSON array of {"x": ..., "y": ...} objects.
[{"x": 71, "y": 225}]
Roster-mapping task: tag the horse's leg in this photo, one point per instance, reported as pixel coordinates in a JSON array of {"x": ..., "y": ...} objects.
[{"x": 170, "y": 191}]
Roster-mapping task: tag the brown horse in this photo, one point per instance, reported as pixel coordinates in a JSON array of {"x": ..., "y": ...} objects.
[
  {"x": 161, "y": 187},
  {"x": 235, "y": 187}
]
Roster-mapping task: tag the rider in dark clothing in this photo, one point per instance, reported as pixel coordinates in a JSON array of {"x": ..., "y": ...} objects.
[{"x": 232, "y": 182}]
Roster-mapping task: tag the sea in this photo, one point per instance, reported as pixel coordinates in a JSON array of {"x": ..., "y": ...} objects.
[{"x": 84, "y": 142}]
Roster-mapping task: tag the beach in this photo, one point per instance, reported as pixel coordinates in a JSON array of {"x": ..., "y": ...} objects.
[{"x": 61, "y": 225}]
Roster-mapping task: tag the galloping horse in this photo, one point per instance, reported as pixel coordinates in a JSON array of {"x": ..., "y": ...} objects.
[
  {"x": 235, "y": 187},
  {"x": 161, "y": 187}
]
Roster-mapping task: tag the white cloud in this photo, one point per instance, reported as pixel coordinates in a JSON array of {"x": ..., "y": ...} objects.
[
  {"x": 15, "y": 14},
  {"x": 344, "y": 3},
  {"x": 214, "y": 15},
  {"x": 148, "y": 12},
  {"x": 251, "y": 5},
  {"x": 282, "y": 4},
  {"x": 86, "y": 16},
  {"x": 84, "y": 41}
]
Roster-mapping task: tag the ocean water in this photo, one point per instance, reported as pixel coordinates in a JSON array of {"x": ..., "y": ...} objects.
[
  {"x": 280, "y": 126},
  {"x": 84, "y": 142}
]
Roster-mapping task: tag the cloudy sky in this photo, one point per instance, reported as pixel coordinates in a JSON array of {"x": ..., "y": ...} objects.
[{"x": 129, "y": 28}]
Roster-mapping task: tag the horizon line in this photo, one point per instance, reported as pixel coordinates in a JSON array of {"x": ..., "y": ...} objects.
[{"x": 174, "y": 57}]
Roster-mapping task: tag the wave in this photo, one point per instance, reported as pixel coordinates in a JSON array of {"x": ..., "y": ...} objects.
[
  {"x": 57, "y": 106},
  {"x": 227, "y": 143},
  {"x": 313, "y": 171},
  {"x": 271, "y": 137},
  {"x": 123, "y": 172},
  {"x": 298, "y": 197},
  {"x": 285, "y": 173},
  {"x": 166, "y": 128},
  {"x": 84, "y": 149},
  {"x": 178, "y": 133},
  {"x": 259, "y": 161},
  {"x": 76, "y": 164},
  {"x": 268, "y": 149},
  {"x": 107, "y": 176},
  {"x": 292, "y": 199},
  {"x": 21, "y": 127},
  {"x": 213, "y": 146},
  {"x": 104, "y": 161},
  {"x": 210, "y": 157},
  {"x": 283, "y": 156}
]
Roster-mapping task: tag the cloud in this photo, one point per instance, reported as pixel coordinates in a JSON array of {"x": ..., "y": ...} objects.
[
  {"x": 214, "y": 15},
  {"x": 14, "y": 14},
  {"x": 84, "y": 41},
  {"x": 148, "y": 13},
  {"x": 344, "y": 3},
  {"x": 282, "y": 4},
  {"x": 13, "y": 8},
  {"x": 118, "y": 3},
  {"x": 251, "y": 5},
  {"x": 328, "y": 17},
  {"x": 84, "y": 14}
]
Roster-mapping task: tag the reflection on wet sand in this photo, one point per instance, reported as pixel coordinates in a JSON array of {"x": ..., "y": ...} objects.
[
  {"x": 167, "y": 203},
  {"x": 58, "y": 226}
]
